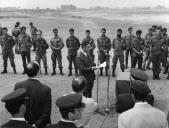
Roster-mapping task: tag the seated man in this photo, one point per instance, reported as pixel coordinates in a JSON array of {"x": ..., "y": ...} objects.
[
  {"x": 142, "y": 115},
  {"x": 70, "y": 107},
  {"x": 78, "y": 86},
  {"x": 15, "y": 105}
]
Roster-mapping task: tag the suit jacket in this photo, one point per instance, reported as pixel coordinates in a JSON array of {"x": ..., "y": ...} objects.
[
  {"x": 84, "y": 64},
  {"x": 38, "y": 106},
  {"x": 16, "y": 124},
  {"x": 62, "y": 124},
  {"x": 142, "y": 115}
]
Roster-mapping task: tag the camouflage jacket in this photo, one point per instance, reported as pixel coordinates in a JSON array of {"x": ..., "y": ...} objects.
[
  {"x": 73, "y": 44},
  {"x": 104, "y": 44},
  {"x": 56, "y": 44},
  {"x": 129, "y": 40},
  {"x": 41, "y": 46},
  {"x": 25, "y": 43},
  {"x": 7, "y": 43}
]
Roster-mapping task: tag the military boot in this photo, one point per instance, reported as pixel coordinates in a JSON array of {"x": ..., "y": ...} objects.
[
  {"x": 101, "y": 72},
  {"x": 24, "y": 71},
  {"x": 113, "y": 73},
  {"x": 76, "y": 72},
  {"x": 157, "y": 76},
  {"x": 4, "y": 71},
  {"x": 46, "y": 71},
  {"x": 14, "y": 70},
  {"x": 165, "y": 70},
  {"x": 54, "y": 72},
  {"x": 70, "y": 72},
  {"x": 61, "y": 73},
  {"x": 154, "y": 75},
  {"x": 168, "y": 77},
  {"x": 144, "y": 69},
  {"x": 122, "y": 70}
]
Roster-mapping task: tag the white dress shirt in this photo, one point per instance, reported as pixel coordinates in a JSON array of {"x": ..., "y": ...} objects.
[
  {"x": 142, "y": 115},
  {"x": 87, "y": 114}
]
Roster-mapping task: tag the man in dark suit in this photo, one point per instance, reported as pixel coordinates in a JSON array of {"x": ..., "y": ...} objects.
[
  {"x": 38, "y": 108},
  {"x": 15, "y": 105},
  {"x": 70, "y": 107},
  {"x": 86, "y": 68}
]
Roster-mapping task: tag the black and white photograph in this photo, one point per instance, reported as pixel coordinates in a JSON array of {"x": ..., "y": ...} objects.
[{"x": 84, "y": 63}]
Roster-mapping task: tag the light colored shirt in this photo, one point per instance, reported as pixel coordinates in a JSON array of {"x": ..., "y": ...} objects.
[
  {"x": 87, "y": 114},
  {"x": 142, "y": 115}
]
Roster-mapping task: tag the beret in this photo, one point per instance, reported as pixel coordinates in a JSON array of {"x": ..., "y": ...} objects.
[
  {"x": 15, "y": 96},
  {"x": 140, "y": 87},
  {"x": 70, "y": 102},
  {"x": 138, "y": 74}
]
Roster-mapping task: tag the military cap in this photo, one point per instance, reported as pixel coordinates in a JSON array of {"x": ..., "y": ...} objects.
[
  {"x": 140, "y": 87},
  {"x": 138, "y": 74},
  {"x": 15, "y": 96},
  {"x": 70, "y": 102}
]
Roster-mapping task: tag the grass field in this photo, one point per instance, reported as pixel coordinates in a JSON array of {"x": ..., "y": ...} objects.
[{"x": 62, "y": 84}]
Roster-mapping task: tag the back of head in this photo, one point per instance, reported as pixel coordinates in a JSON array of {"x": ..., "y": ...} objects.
[
  {"x": 78, "y": 83},
  {"x": 32, "y": 69}
]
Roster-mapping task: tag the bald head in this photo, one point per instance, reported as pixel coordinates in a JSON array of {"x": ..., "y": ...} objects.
[
  {"x": 78, "y": 84},
  {"x": 32, "y": 69}
]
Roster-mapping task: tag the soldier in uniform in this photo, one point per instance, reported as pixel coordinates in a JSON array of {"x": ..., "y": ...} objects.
[
  {"x": 118, "y": 46},
  {"x": 73, "y": 45},
  {"x": 16, "y": 31},
  {"x": 138, "y": 49},
  {"x": 15, "y": 105},
  {"x": 129, "y": 42},
  {"x": 90, "y": 40},
  {"x": 25, "y": 45},
  {"x": 41, "y": 47},
  {"x": 56, "y": 44},
  {"x": 7, "y": 44},
  {"x": 165, "y": 51},
  {"x": 33, "y": 30},
  {"x": 156, "y": 47},
  {"x": 146, "y": 57},
  {"x": 104, "y": 46}
]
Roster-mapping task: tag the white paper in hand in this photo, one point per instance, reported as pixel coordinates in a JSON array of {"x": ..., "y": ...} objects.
[{"x": 103, "y": 65}]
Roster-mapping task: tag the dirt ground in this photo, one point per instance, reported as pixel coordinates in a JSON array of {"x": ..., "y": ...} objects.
[{"x": 61, "y": 85}]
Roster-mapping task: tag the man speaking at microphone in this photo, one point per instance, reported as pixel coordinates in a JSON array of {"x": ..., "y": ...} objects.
[{"x": 86, "y": 68}]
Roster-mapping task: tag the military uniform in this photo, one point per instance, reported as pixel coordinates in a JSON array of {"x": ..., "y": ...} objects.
[
  {"x": 1, "y": 31},
  {"x": 56, "y": 44},
  {"x": 118, "y": 45},
  {"x": 147, "y": 52},
  {"x": 92, "y": 45},
  {"x": 33, "y": 31},
  {"x": 73, "y": 46},
  {"x": 7, "y": 44},
  {"x": 104, "y": 46},
  {"x": 15, "y": 33},
  {"x": 165, "y": 51},
  {"x": 25, "y": 45},
  {"x": 129, "y": 47},
  {"x": 41, "y": 47},
  {"x": 138, "y": 46},
  {"x": 156, "y": 55},
  {"x": 18, "y": 96}
]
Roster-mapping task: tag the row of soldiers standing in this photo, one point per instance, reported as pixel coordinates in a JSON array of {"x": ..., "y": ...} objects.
[{"x": 154, "y": 47}]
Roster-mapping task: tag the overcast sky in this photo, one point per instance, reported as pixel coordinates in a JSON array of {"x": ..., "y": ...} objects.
[{"x": 81, "y": 3}]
